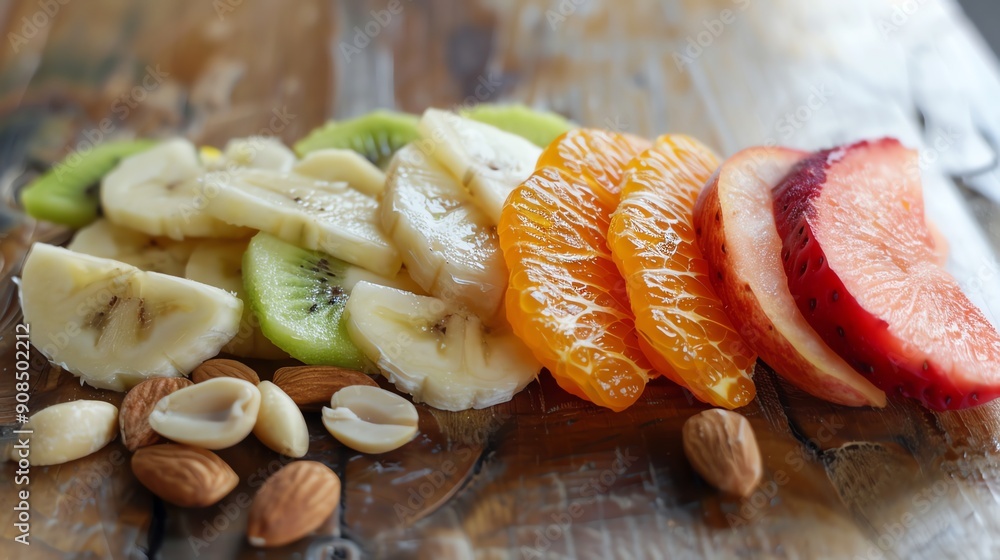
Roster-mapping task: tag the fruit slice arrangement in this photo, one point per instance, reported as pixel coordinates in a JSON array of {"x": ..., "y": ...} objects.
[
  {"x": 683, "y": 328},
  {"x": 458, "y": 253},
  {"x": 566, "y": 299},
  {"x": 734, "y": 222},
  {"x": 861, "y": 264}
]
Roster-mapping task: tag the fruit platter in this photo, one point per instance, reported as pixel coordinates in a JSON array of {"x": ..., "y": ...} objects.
[{"x": 496, "y": 321}]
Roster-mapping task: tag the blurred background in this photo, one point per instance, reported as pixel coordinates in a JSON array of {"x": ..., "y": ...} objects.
[{"x": 986, "y": 14}]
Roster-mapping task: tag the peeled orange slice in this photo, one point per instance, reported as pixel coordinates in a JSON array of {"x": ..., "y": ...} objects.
[
  {"x": 566, "y": 300},
  {"x": 683, "y": 327},
  {"x": 596, "y": 156}
]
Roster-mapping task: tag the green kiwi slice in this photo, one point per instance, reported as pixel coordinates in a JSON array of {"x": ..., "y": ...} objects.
[
  {"x": 68, "y": 194},
  {"x": 376, "y": 135},
  {"x": 299, "y": 297},
  {"x": 538, "y": 127}
]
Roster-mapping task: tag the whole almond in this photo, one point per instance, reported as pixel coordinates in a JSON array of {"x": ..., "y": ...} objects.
[
  {"x": 722, "y": 448},
  {"x": 219, "y": 367},
  {"x": 292, "y": 503},
  {"x": 311, "y": 387},
  {"x": 183, "y": 475},
  {"x": 133, "y": 419}
]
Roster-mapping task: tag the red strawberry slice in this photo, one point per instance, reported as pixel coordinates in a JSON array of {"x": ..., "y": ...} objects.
[{"x": 861, "y": 266}]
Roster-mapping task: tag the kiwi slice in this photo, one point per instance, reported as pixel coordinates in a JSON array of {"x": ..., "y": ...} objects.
[
  {"x": 68, "y": 193},
  {"x": 376, "y": 135},
  {"x": 299, "y": 296},
  {"x": 538, "y": 127}
]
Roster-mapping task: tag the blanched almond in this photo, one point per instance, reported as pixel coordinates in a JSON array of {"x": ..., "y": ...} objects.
[
  {"x": 280, "y": 424},
  {"x": 67, "y": 431}
]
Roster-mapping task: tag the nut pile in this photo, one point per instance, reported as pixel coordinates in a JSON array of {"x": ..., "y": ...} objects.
[{"x": 172, "y": 424}]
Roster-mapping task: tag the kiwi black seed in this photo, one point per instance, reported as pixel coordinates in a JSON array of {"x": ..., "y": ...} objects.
[
  {"x": 376, "y": 135},
  {"x": 299, "y": 296}
]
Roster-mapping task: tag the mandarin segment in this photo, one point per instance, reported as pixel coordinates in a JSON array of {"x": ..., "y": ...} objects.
[
  {"x": 566, "y": 299},
  {"x": 595, "y": 156},
  {"x": 682, "y": 323}
]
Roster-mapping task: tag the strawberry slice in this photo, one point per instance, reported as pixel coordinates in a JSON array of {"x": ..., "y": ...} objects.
[{"x": 861, "y": 266}]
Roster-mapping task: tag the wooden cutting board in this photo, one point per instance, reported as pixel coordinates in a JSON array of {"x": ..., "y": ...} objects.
[{"x": 545, "y": 476}]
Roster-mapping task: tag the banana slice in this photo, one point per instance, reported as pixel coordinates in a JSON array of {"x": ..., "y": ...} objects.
[
  {"x": 220, "y": 264},
  {"x": 487, "y": 160},
  {"x": 154, "y": 254},
  {"x": 448, "y": 244},
  {"x": 158, "y": 193},
  {"x": 438, "y": 353},
  {"x": 115, "y": 325},
  {"x": 336, "y": 165},
  {"x": 257, "y": 152},
  {"x": 313, "y": 214}
]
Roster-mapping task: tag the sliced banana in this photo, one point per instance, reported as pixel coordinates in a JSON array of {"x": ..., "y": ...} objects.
[
  {"x": 158, "y": 193},
  {"x": 487, "y": 160},
  {"x": 310, "y": 213},
  {"x": 219, "y": 263},
  {"x": 437, "y": 352},
  {"x": 155, "y": 254},
  {"x": 258, "y": 152},
  {"x": 448, "y": 244},
  {"x": 336, "y": 165},
  {"x": 115, "y": 325}
]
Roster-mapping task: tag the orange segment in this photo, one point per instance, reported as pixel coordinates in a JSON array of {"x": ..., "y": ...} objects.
[
  {"x": 684, "y": 329},
  {"x": 566, "y": 299},
  {"x": 597, "y": 156}
]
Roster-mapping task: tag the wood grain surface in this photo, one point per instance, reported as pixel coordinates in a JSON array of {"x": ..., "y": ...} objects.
[{"x": 546, "y": 475}]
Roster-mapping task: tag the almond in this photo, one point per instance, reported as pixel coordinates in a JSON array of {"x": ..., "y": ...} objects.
[
  {"x": 280, "y": 424},
  {"x": 138, "y": 403},
  {"x": 722, "y": 448},
  {"x": 219, "y": 367},
  {"x": 183, "y": 475},
  {"x": 291, "y": 504},
  {"x": 311, "y": 387},
  {"x": 67, "y": 431}
]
